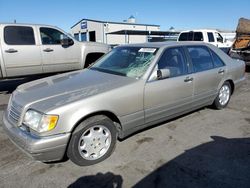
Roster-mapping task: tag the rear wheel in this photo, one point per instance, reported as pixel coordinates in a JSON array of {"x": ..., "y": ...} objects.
[
  {"x": 223, "y": 96},
  {"x": 92, "y": 141}
]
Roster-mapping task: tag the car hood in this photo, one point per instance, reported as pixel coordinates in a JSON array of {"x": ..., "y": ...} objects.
[{"x": 68, "y": 87}]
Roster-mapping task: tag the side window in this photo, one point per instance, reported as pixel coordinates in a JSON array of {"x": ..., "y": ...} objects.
[
  {"x": 217, "y": 60},
  {"x": 210, "y": 37},
  {"x": 174, "y": 60},
  {"x": 19, "y": 35},
  {"x": 219, "y": 37},
  {"x": 201, "y": 58},
  {"x": 51, "y": 36},
  {"x": 198, "y": 36}
]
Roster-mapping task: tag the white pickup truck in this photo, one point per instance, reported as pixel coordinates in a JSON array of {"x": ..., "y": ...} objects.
[
  {"x": 28, "y": 49},
  {"x": 205, "y": 35}
]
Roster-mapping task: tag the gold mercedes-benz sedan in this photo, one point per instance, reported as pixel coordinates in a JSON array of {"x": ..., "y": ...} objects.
[{"x": 81, "y": 114}]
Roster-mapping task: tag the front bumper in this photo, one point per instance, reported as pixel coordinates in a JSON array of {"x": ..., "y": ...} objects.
[{"x": 50, "y": 148}]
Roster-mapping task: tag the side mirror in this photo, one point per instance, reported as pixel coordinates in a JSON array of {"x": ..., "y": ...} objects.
[
  {"x": 66, "y": 42},
  {"x": 163, "y": 73}
]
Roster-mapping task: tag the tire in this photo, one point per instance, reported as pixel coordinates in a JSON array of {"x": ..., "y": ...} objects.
[
  {"x": 92, "y": 141},
  {"x": 223, "y": 97}
]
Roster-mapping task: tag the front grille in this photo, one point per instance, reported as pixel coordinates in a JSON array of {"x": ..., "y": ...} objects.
[{"x": 15, "y": 111}]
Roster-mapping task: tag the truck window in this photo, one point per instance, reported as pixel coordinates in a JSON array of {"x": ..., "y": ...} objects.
[
  {"x": 183, "y": 37},
  {"x": 191, "y": 36},
  {"x": 19, "y": 35},
  {"x": 201, "y": 58},
  {"x": 198, "y": 36},
  {"x": 210, "y": 37},
  {"x": 187, "y": 36},
  {"x": 51, "y": 36},
  {"x": 219, "y": 37}
]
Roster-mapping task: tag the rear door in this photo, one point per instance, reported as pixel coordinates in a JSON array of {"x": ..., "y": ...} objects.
[
  {"x": 173, "y": 95},
  {"x": 21, "y": 54},
  {"x": 55, "y": 56},
  {"x": 208, "y": 71}
]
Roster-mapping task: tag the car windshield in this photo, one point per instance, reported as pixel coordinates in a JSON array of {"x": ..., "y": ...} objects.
[{"x": 126, "y": 61}]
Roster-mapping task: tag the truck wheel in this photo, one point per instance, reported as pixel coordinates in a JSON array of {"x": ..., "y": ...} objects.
[
  {"x": 223, "y": 96},
  {"x": 92, "y": 141}
]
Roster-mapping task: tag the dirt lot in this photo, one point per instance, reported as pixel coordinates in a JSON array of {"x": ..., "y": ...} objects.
[{"x": 206, "y": 148}]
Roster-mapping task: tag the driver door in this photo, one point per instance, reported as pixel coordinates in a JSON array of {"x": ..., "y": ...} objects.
[
  {"x": 55, "y": 57},
  {"x": 219, "y": 40},
  {"x": 170, "y": 96}
]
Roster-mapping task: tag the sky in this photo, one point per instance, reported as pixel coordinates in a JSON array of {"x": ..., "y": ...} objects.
[{"x": 181, "y": 14}]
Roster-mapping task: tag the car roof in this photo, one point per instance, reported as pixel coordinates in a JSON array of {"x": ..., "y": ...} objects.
[
  {"x": 200, "y": 30},
  {"x": 26, "y": 24},
  {"x": 166, "y": 44}
]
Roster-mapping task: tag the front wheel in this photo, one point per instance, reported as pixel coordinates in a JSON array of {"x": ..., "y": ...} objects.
[
  {"x": 92, "y": 141},
  {"x": 223, "y": 96}
]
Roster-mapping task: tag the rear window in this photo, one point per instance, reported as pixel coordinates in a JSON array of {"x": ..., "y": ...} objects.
[
  {"x": 191, "y": 36},
  {"x": 183, "y": 37},
  {"x": 19, "y": 35},
  {"x": 188, "y": 36}
]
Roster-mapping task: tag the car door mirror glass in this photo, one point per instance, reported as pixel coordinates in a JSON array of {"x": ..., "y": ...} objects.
[
  {"x": 66, "y": 42},
  {"x": 163, "y": 74}
]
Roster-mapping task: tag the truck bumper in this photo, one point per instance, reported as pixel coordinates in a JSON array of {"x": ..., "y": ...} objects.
[{"x": 50, "y": 148}]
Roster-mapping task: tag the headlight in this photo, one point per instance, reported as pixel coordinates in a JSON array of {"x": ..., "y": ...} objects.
[{"x": 39, "y": 122}]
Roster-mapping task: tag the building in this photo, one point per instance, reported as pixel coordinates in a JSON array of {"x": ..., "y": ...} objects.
[{"x": 115, "y": 33}]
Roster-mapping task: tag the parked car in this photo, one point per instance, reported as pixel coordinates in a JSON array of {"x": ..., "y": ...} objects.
[
  {"x": 83, "y": 113},
  {"x": 241, "y": 46},
  {"x": 27, "y": 49},
  {"x": 208, "y": 36}
]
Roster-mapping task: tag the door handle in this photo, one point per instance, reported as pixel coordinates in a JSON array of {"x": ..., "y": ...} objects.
[
  {"x": 221, "y": 71},
  {"x": 11, "y": 50},
  {"x": 188, "y": 79},
  {"x": 48, "y": 50}
]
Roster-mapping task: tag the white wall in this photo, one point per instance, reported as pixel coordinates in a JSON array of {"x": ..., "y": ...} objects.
[
  {"x": 122, "y": 39},
  {"x": 102, "y": 29},
  {"x": 98, "y": 28}
]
